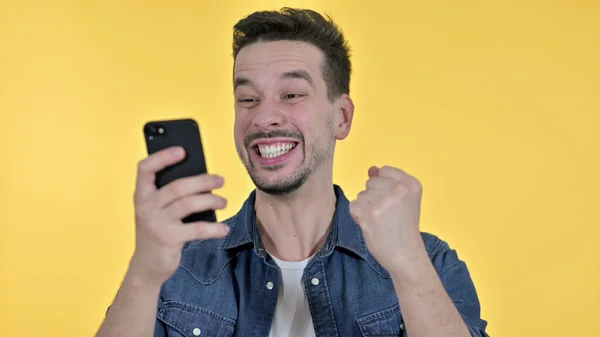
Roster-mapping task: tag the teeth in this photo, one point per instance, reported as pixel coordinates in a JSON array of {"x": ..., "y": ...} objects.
[{"x": 275, "y": 150}]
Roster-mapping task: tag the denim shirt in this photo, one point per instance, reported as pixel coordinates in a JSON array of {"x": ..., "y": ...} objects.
[{"x": 229, "y": 286}]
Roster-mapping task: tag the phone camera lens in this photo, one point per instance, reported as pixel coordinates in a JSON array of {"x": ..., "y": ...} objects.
[{"x": 155, "y": 130}]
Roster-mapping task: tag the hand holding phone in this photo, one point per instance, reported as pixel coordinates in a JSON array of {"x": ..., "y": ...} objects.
[
  {"x": 174, "y": 203},
  {"x": 183, "y": 133}
]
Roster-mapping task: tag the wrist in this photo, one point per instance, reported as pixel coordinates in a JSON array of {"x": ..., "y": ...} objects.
[
  {"x": 137, "y": 278},
  {"x": 411, "y": 260}
]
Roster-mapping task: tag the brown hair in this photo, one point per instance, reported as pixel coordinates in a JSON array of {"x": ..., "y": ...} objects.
[{"x": 301, "y": 25}]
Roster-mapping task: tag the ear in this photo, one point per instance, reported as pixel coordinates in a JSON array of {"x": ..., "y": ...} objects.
[{"x": 344, "y": 115}]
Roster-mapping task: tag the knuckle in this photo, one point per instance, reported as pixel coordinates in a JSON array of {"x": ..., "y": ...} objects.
[
  {"x": 142, "y": 164},
  {"x": 376, "y": 211},
  {"x": 385, "y": 169},
  {"x": 400, "y": 190},
  {"x": 200, "y": 230},
  {"x": 176, "y": 189},
  {"x": 142, "y": 210},
  {"x": 389, "y": 170},
  {"x": 387, "y": 202},
  {"x": 187, "y": 204},
  {"x": 417, "y": 186}
]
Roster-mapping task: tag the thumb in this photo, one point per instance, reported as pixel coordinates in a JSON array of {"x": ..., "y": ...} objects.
[{"x": 373, "y": 171}]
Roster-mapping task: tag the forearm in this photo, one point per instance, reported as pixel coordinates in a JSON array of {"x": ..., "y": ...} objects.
[
  {"x": 133, "y": 312},
  {"x": 427, "y": 309}
]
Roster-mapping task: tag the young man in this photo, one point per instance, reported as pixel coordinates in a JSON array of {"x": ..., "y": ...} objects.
[{"x": 299, "y": 259}]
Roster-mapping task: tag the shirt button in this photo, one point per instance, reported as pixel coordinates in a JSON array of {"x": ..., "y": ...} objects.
[
  {"x": 196, "y": 332},
  {"x": 315, "y": 281},
  {"x": 270, "y": 285}
]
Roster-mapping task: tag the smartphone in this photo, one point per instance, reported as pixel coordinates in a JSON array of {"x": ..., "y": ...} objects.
[{"x": 163, "y": 134}]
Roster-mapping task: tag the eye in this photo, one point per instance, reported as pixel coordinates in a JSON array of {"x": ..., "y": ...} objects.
[
  {"x": 292, "y": 96},
  {"x": 247, "y": 100}
]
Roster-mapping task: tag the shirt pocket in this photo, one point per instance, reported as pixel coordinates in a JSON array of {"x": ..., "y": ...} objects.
[
  {"x": 184, "y": 320},
  {"x": 385, "y": 323}
]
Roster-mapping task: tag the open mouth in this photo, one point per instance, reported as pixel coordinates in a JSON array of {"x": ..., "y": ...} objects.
[{"x": 274, "y": 150}]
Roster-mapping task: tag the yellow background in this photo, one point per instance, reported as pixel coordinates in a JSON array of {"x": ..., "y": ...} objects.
[{"x": 495, "y": 106}]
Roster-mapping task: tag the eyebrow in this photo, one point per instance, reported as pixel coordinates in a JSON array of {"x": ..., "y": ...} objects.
[
  {"x": 301, "y": 74},
  {"x": 238, "y": 81}
]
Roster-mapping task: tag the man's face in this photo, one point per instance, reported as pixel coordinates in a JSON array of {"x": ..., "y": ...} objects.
[{"x": 284, "y": 125}]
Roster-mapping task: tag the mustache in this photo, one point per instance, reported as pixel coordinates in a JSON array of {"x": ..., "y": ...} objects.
[{"x": 272, "y": 134}]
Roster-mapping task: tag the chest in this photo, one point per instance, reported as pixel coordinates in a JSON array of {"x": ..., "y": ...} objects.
[{"x": 345, "y": 296}]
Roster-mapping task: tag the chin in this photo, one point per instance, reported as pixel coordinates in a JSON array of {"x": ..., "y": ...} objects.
[{"x": 281, "y": 186}]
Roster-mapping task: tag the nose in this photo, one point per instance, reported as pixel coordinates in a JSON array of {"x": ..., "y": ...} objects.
[{"x": 269, "y": 114}]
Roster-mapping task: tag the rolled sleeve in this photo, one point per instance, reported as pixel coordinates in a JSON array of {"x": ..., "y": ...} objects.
[
  {"x": 458, "y": 283},
  {"x": 159, "y": 328}
]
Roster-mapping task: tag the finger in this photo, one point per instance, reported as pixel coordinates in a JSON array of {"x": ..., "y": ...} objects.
[
  {"x": 363, "y": 196},
  {"x": 380, "y": 183},
  {"x": 373, "y": 171},
  {"x": 202, "y": 230},
  {"x": 371, "y": 196},
  {"x": 408, "y": 181},
  {"x": 147, "y": 168},
  {"x": 195, "y": 204},
  {"x": 187, "y": 186},
  {"x": 393, "y": 173}
]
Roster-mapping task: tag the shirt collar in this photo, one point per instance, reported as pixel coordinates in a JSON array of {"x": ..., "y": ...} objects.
[{"x": 345, "y": 233}]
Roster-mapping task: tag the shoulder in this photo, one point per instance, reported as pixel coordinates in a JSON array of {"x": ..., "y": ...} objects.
[
  {"x": 205, "y": 259},
  {"x": 443, "y": 257}
]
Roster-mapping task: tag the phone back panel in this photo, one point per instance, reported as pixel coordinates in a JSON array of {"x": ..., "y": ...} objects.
[{"x": 184, "y": 133}]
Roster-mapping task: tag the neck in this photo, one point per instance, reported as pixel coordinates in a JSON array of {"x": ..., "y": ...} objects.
[{"x": 295, "y": 226}]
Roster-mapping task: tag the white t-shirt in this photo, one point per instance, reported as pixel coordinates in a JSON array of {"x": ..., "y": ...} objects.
[{"x": 292, "y": 314}]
